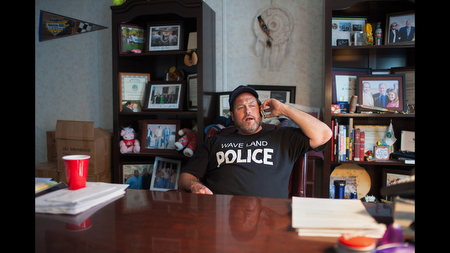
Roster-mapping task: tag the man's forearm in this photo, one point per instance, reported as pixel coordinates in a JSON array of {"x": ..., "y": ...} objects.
[{"x": 317, "y": 131}]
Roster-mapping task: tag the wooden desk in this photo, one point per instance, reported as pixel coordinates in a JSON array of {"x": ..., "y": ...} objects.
[{"x": 154, "y": 221}]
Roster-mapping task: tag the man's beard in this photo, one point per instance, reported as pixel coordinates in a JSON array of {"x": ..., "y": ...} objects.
[{"x": 245, "y": 127}]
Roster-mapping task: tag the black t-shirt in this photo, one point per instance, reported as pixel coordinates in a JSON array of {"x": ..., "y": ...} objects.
[{"x": 251, "y": 165}]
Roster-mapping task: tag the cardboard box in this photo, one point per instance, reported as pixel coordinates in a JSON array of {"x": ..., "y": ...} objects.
[
  {"x": 51, "y": 146},
  {"x": 47, "y": 170},
  {"x": 81, "y": 138}
]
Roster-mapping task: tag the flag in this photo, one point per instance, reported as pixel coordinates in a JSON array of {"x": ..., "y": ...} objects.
[
  {"x": 53, "y": 26},
  {"x": 390, "y": 139}
]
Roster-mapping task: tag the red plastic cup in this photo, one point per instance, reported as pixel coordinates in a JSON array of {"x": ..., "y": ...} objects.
[{"x": 76, "y": 167}]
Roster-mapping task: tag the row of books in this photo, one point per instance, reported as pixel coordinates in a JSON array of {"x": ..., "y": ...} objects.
[{"x": 347, "y": 142}]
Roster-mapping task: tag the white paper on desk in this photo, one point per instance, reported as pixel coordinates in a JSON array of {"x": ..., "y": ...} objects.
[
  {"x": 90, "y": 191},
  {"x": 65, "y": 201},
  {"x": 331, "y": 217}
]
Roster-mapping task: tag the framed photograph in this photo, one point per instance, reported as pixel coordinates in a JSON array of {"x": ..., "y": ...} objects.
[
  {"x": 164, "y": 37},
  {"x": 132, "y": 87},
  {"x": 391, "y": 176},
  {"x": 159, "y": 136},
  {"x": 164, "y": 96},
  {"x": 385, "y": 91},
  {"x": 286, "y": 94},
  {"x": 223, "y": 104},
  {"x": 342, "y": 28},
  {"x": 192, "y": 92},
  {"x": 400, "y": 28},
  {"x": 132, "y": 37},
  {"x": 165, "y": 174},
  {"x": 137, "y": 175},
  {"x": 344, "y": 82}
]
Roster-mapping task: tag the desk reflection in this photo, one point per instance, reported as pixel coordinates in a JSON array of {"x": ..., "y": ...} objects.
[{"x": 155, "y": 221}]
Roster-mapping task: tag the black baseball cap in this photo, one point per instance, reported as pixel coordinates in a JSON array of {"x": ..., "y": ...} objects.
[{"x": 242, "y": 89}]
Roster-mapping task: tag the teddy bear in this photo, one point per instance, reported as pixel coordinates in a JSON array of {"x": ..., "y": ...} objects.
[
  {"x": 188, "y": 139},
  {"x": 129, "y": 144}
]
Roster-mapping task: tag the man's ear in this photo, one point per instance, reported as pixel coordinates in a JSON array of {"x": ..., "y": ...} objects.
[{"x": 232, "y": 116}]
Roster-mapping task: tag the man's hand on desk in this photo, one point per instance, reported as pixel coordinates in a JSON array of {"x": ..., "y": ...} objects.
[
  {"x": 191, "y": 183},
  {"x": 199, "y": 188}
]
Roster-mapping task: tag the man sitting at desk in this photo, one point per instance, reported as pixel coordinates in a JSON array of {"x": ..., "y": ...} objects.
[{"x": 253, "y": 161}]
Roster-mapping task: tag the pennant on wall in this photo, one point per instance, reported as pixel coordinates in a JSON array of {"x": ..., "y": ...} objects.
[{"x": 53, "y": 26}]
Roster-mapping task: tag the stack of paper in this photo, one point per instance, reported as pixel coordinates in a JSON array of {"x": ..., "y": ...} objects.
[
  {"x": 333, "y": 217},
  {"x": 65, "y": 201}
]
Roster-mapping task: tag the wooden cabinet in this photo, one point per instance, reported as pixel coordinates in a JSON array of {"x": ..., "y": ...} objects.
[
  {"x": 374, "y": 57},
  {"x": 194, "y": 16}
]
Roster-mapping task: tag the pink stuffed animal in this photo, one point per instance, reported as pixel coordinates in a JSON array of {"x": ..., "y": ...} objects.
[
  {"x": 129, "y": 144},
  {"x": 188, "y": 139}
]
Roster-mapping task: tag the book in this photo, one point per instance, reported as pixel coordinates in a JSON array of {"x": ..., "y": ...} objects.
[
  {"x": 342, "y": 129},
  {"x": 357, "y": 144},
  {"x": 333, "y": 217},
  {"x": 41, "y": 184},
  {"x": 362, "y": 137}
]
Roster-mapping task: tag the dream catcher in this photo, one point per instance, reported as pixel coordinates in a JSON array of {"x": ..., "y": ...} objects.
[{"x": 273, "y": 27}]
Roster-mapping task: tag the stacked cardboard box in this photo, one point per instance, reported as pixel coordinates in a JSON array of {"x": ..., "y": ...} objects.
[{"x": 78, "y": 138}]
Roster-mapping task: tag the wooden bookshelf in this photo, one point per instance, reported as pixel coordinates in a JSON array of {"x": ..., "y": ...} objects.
[
  {"x": 374, "y": 57},
  {"x": 195, "y": 16}
]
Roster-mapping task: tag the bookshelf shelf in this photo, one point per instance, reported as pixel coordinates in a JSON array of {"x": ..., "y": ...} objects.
[
  {"x": 375, "y": 163},
  {"x": 373, "y": 115}
]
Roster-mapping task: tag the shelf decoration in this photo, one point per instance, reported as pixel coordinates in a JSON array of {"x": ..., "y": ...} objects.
[
  {"x": 273, "y": 28},
  {"x": 385, "y": 91},
  {"x": 132, "y": 87},
  {"x": 54, "y": 26},
  {"x": 131, "y": 39},
  {"x": 164, "y": 37},
  {"x": 400, "y": 28}
]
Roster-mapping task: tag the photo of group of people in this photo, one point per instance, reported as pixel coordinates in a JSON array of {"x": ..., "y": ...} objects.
[
  {"x": 160, "y": 136},
  {"x": 138, "y": 176},
  {"x": 165, "y": 96},
  {"x": 162, "y": 175},
  {"x": 383, "y": 94},
  {"x": 166, "y": 173},
  {"x": 164, "y": 38}
]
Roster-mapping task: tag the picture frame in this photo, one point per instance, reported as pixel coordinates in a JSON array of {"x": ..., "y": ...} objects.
[
  {"x": 166, "y": 173},
  {"x": 223, "y": 104},
  {"x": 381, "y": 153},
  {"x": 397, "y": 31},
  {"x": 342, "y": 28},
  {"x": 159, "y": 136},
  {"x": 370, "y": 87},
  {"x": 131, "y": 37},
  {"x": 132, "y": 91},
  {"x": 164, "y": 96},
  {"x": 164, "y": 37},
  {"x": 390, "y": 176},
  {"x": 344, "y": 82},
  {"x": 128, "y": 170},
  {"x": 192, "y": 87},
  {"x": 286, "y": 94}
]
